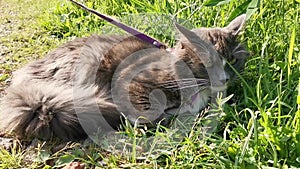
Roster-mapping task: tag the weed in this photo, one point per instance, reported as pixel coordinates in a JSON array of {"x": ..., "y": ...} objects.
[{"x": 261, "y": 126}]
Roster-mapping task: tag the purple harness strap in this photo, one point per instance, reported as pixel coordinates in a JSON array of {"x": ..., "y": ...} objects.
[{"x": 126, "y": 28}]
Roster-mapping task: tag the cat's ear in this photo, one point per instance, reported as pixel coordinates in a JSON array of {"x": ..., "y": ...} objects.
[
  {"x": 206, "y": 50},
  {"x": 236, "y": 25}
]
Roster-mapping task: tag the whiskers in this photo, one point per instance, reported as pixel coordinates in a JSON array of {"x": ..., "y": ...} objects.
[
  {"x": 240, "y": 50},
  {"x": 238, "y": 76},
  {"x": 179, "y": 84}
]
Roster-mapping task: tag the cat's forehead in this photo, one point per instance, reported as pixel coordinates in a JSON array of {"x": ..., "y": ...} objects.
[{"x": 205, "y": 33}]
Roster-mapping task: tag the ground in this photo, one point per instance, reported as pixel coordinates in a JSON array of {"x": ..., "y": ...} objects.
[{"x": 261, "y": 126}]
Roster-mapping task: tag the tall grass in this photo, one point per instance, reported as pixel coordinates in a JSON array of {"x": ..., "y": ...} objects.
[{"x": 261, "y": 126}]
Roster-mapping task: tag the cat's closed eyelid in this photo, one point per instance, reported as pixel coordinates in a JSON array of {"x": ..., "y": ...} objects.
[{"x": 233, "y": 61}]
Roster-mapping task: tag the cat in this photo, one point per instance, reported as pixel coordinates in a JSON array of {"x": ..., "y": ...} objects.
[{"x": 92, "y": 82}]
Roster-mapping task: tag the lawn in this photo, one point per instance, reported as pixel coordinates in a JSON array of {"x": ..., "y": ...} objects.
[{"x": 260, "y": 124}]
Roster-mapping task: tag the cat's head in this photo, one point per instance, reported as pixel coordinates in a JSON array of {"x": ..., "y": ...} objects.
[{"x": 218, "y": 49}]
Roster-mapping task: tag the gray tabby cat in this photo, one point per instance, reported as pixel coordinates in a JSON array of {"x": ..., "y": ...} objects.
[{"x": 92, "y": 82}]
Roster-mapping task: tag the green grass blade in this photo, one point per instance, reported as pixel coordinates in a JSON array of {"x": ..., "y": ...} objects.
[
  {"x": 215, "y": 2},
  {"x": 239, "y": 10},
  {"x": 290, "y": 54}
]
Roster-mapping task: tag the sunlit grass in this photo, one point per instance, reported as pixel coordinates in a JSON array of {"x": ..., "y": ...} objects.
[{"x": 261, "y": 126}]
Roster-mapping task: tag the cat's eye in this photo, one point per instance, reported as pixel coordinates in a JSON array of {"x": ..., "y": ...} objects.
[{"x": 233, "y": 61}]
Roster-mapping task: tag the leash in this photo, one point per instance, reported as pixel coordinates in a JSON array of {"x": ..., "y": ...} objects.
[{"x": 126, "y": 28}]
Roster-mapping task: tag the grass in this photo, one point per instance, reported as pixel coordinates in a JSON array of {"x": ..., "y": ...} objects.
[{"x": 261, "y": 125}]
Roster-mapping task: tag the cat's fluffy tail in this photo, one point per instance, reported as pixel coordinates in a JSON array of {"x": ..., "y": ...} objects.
[{"x": 46, "y": 111}]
